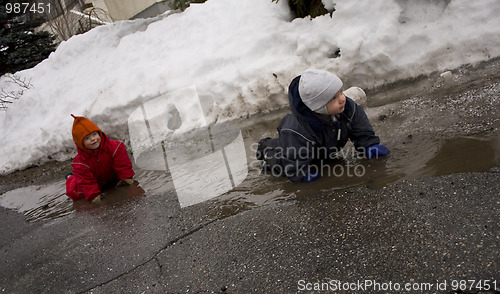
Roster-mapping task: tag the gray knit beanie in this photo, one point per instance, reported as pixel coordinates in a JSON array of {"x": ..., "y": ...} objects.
[{"x": 317, "y": 87}]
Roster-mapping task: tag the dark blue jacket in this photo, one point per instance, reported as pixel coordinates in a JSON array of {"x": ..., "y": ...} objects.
[{"x": 305, "y": 136}]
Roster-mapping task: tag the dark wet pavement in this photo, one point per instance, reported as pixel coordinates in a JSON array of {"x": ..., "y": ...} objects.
[
  {"x": 415, "y": 231},
  {"x": 406, "y": 220}
]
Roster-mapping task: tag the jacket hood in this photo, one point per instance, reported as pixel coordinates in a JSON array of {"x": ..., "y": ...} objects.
[
  {"x": 301, "y": 110},
  {"x": 83, "y": 127}
]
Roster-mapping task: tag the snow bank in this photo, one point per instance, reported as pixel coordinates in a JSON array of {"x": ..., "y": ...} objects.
[{"x": 240, "y": 56}]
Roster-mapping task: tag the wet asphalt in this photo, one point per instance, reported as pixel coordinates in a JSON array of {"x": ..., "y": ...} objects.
[
  {"x": 428, "y": 234},
  {"x": 423, "y": 231}
]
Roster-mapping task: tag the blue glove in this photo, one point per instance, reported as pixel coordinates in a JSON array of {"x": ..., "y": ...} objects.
[
  {"x": 376, "y": 151},
  {"x": 313, "y": 176}
]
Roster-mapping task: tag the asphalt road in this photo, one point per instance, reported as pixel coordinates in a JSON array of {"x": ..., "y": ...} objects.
[{"x": 413, "y": 233}]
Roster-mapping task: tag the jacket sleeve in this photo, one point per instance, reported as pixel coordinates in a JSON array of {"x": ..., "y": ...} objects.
[
  {"x": 362, "y": 134},
  {"x": 72, "y": 188},
  {"x": 121, "y": 162},
  {"x": 83, "y": 183},
  {"x": 296, "y": 155}
]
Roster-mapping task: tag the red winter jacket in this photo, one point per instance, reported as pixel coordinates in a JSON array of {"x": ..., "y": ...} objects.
[{"x": 92, "y": 170}]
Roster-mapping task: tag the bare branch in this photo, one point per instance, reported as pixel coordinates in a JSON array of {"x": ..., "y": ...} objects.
[{"x": 21, "y": 85}]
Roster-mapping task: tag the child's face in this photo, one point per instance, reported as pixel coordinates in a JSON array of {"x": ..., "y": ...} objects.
[
  {"x": 92, "y": 141},
  {"x": 337, "y": 104}
]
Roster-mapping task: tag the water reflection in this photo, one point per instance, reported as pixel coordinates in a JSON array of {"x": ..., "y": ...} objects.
[
  {"x": 50, "y": 201},
  {"x": 464, "y": 154},
  {"x": 39, "y": 202}
]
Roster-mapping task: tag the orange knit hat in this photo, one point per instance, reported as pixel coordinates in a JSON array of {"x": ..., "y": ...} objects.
[{"x": 83, "y": 127}]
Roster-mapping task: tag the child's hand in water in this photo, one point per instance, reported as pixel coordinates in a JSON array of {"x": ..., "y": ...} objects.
[
  {"x": 98, "y": 198},
  {"x": 376, "y": 151},
  {"x": 125, "y": 182}
]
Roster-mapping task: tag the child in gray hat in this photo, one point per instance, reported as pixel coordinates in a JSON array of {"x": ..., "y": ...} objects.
[{"x": 321, "y": 122}]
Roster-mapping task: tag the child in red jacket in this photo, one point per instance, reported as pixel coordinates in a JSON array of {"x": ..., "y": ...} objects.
[{"x": 100, "y": 162}]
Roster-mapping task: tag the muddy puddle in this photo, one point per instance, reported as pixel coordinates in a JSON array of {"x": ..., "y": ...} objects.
[
  {"x": 435, "y": 157},
  {"x": 432, "y": 156},
  {"x": 432, "y": 127}
]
